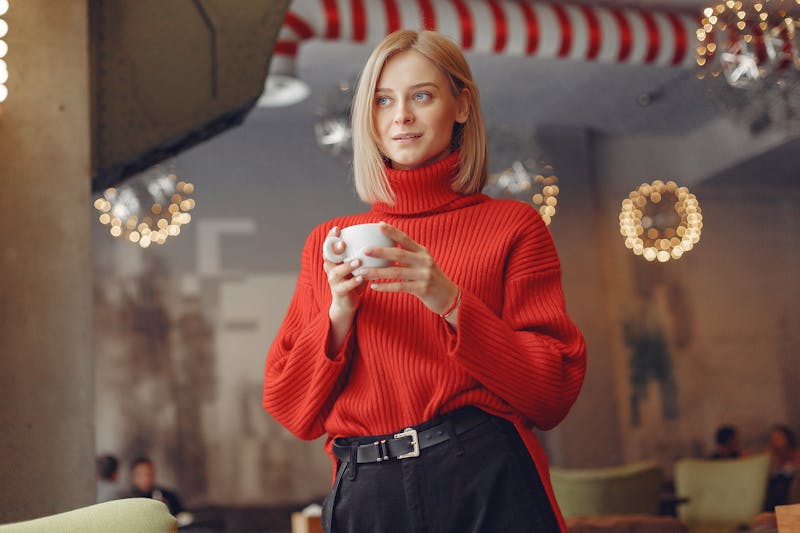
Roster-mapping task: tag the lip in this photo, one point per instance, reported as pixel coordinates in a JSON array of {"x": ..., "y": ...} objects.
[{"x": 406, "y": 137}]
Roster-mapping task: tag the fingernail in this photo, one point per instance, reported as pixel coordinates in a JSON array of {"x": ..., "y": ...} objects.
[
  {"x": 367, "y": 251},
  {"x": 354, "y": 262},
  {"x": 374, "y": 285},
  {"x": 360, "y": 279}
]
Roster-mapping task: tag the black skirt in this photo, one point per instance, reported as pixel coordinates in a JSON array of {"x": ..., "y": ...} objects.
[{"x": 482, "y": 480}]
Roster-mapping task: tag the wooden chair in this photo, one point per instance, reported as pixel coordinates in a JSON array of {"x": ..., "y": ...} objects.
[{"x": 788, "y": 518}]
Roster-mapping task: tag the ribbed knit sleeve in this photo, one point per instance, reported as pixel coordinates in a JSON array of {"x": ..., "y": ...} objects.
[
  {"x": 532, "y": 356},
  {"x": 300, "y": 380}
]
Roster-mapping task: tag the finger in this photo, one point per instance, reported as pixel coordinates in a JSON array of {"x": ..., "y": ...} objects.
[
  {"x": 400, "y": 238},
  {"x": 395, "y": 286},
  {"x": 342, "y": 270},
  {"x": 398, "y": 255},
  {"x": 395, "y": 272},
  {"x": 345, "y": 287},
  {"x": 329, "y": 265},
  {"x": 334, "y": 232}
]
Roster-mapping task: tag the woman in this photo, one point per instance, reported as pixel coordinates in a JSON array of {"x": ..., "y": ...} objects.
[{"x": 429, "y": 374}]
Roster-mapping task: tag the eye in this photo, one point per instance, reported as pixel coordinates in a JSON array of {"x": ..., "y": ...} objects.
[
  {"x": 422, "y": 97},
  {"x": 382, "y": 101}
]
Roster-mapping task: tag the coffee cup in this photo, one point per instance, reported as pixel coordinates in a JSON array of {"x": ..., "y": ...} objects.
[{"x": 356, "y": 239}]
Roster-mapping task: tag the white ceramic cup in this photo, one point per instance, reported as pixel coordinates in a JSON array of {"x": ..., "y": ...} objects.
[{"x": 356, "y": 238}]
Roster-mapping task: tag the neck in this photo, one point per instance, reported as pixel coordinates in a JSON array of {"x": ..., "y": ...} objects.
[{"x": 422, "y": 189}]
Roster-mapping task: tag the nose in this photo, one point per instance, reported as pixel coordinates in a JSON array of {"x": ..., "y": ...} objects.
[{"x": 403, "y": 114}]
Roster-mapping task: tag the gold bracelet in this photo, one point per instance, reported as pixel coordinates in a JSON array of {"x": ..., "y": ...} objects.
[{"x": 453, "y": 307}]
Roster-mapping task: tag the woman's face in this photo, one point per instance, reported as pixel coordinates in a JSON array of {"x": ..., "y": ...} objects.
[{"x": 415, "y": 110}]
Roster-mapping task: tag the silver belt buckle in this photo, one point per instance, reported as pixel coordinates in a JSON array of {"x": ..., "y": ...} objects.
[{"x": 409, "y": 432}]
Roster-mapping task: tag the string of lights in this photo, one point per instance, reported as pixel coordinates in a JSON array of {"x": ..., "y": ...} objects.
[{"x": 4, "y": 5}]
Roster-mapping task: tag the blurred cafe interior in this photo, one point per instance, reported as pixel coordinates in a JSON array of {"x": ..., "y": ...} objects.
[{"x": 174, "y": 156}]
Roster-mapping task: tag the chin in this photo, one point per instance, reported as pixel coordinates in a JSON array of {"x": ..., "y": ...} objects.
[{"x": 410, "y": 161}]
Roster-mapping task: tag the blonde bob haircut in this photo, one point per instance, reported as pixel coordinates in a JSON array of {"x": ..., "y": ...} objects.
[{"x": 369, "y": 167}]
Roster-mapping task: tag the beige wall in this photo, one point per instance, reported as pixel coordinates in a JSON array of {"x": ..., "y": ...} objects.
[
  {"x": 727, "y": 312},
  {"x": 46, "y": 385}
]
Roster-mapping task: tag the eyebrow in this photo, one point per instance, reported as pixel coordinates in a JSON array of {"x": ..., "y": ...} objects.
[{"x": 415, "y": 86}]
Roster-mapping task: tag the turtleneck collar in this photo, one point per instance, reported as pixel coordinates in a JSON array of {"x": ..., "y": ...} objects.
[{"x": 422, "y": 190}]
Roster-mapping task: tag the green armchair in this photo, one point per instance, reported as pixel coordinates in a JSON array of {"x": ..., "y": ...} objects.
[
  {"x": 620, "y": 490},
  {"x": 132, "y": 515},
  {"x": 722, "y": 494}
]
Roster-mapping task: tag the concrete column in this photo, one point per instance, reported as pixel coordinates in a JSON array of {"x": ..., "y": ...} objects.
[
  {"x": 589, "y": 294},
  {"x": 46, "y": 386}
]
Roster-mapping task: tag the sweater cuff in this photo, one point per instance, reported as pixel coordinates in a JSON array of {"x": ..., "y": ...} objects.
[
  {"x": 453, "y": 336},
  {"x": 342, "y": 355}
]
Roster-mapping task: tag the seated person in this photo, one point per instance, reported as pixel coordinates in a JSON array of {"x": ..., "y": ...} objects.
[
  {"x": 784, "y": 465},
  {"x": 143, "y": 479},
  {"x": 107, "y": 479},
  {"x": 727, "y": 443}
]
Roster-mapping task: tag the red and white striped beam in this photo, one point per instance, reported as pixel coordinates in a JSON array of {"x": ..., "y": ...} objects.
[{"x": 508, "y": 27}]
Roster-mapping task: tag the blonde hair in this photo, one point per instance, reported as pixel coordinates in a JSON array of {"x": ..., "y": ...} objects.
[{"x": 470, "y": 138}]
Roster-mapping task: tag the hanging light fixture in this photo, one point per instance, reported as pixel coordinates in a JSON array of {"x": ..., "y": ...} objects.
[
  {"x": 332, "y": 131},
  {"x": 148, "y": 208},
  {"x": 283, "y": 87},
  {"x": 749, "y": 43},
  {"x": 660, "y": 221}
]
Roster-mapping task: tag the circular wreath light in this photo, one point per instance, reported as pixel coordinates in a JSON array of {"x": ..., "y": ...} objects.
[
  {"x": 521, "y": 181},
  {"x": 660, "y": 221},
  {"x": 149, "y": 208},
  {"x": 521, "y": 170}
]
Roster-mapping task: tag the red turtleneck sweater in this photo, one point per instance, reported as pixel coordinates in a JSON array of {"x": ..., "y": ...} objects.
[{"x": 515, "y": 352}]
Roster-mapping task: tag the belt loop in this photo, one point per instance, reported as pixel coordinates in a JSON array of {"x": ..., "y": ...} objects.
[
  {"x": 451, "y": 429},
  {"x": 353, "y": 462}
]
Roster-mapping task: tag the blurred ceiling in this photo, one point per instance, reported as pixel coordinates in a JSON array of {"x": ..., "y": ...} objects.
[{"x": 526, "y": 91}]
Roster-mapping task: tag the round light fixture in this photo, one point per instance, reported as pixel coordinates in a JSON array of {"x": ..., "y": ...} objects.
[
  {"x": 660, "y": 221},
  {"x": 283, "y": 87}
]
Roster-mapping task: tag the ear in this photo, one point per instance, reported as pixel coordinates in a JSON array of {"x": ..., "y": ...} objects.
[{"x": 462, "y": 103}]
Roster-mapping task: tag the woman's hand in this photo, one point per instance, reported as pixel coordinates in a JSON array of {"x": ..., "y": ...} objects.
[
  {"x": 346, "y": 291},
  {"x": 414, "y": 271}
]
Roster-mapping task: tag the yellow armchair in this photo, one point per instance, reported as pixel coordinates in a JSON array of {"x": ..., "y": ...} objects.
[
  {"x": 722, "y": 494},
  {"x": 619, "y": 490},
  {"x": 132, "y": 515}
]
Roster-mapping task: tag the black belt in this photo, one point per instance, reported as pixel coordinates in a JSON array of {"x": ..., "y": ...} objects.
[{"x": 410, "y": 441}]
